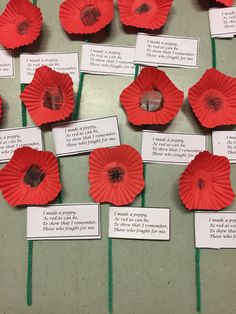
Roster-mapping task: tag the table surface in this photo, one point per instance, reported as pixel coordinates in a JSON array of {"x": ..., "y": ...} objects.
[{"x": 150, "y": 277}]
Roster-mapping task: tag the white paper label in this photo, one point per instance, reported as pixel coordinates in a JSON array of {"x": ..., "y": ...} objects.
[
  {"x": 169, "y": 51},
  {"x": 60, "y": 62},
  {"x": 139, "y": 223},
  {"x": 85, "y": 135},
  {"x": 224, "y": 144},
  {"x": 7, "y": 65},
  {"x": 11, "y": 139},
  {"x": 171, "y": 148},
  {"x": 67, "y": 221},
  {"x": 223, "y": 22},
  {"x": 101, "y": 59},
  {"x": 215, "y": 230}
]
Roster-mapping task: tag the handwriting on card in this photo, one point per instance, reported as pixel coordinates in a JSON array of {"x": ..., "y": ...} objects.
[
  {"x": 224, "y": 144},
  {"x": 139, "y": 223},
  {"x": 167, "y": 51},
  {"x": 7, "y": 66},
  {"x": 171, "y": 148},
  {"x": 223, "y": 22},
  {"x": 11, "y": 139},
  {"x": 86, "y": 135},
  {"x": 67, "y": 221}
]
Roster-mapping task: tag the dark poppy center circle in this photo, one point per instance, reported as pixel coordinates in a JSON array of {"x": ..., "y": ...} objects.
[
  {"x": 90, "y": 15},
  {"x": 34, "y": 176},
  {"x": 151, "y": 100},
  {"x": 201, "y": 183},
  {"x": 115, "y": 174},
  {"x": 52, "y": 98},
  {"x": 143, "y": 8},
  {"x": 23, "y": 26},
  {"x": 213, "y": 100}
]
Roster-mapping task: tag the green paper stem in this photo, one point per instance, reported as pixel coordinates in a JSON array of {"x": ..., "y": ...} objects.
[
  {"x": 59, "y": 167},
  {"x": 29, "y": 272},
  {"x": 198, "y": 279},
  {"x": 144, "y": 190},
  {"x": 35, "y": 2},
  {"x": 110, "y": 277},
  {"x": 213, "y": 50},
  {"x": 78, "y": 98},
  {"x": 23, "y": 108},
  {"x": 136, "y": 71}
]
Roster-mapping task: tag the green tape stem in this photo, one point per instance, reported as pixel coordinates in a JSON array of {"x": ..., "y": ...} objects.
[
  {"x": 29, "y": 272},
  {"x": 198, "y": 279},
  {"x": 35, "y": 2},
  {"x": 213, "y": 50},
  {"x": 143, "y": 192},
  {"x": 60, "y": 194},
  {"x": 23, "y": 108},
  {"x": 78, "y": 98},
  {"x": 136, "y": 71},
  {"x": 110, "y": 277}
]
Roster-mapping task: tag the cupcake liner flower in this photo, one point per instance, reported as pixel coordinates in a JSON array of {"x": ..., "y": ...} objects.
[
  {"x": 31, "y": 177},
  {"x": 152, "y": 98},
  {"x": 205, "y": 183},
  {"x": 227, "y": 3},
  {"x": 49, "y": 97},
  {"x": 213, "y": 99},
  {"x": 20, "y": 24},
  {"x": 115, "y": 175},
  {"x": 85, "y": 16},
  {"x": 150, "y": 14}
]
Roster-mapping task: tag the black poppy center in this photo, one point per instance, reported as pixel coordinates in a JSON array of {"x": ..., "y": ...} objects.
[
  {"x": 34, "y": 176},
  {"x": 213, "y": 101},
  {"x": 53, "y": 98},
  {"x": 89, "y": 15},
  {"x": 143, "y": 8},
  {"x": 201, "y": 184},
  {"x": 151, "y": 100},
  {"x": 115, "y": 174},
  {"x": 23, "y": 27}
]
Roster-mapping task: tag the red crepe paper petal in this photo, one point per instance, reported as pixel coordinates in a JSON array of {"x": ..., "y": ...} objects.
[
  {"x": 205, "y": 183},
  {"x": 85, "y": 16},
  {"x": 115, "y": 175},
  {"x": 149, "y": 81},
  {"x": 150, "y": 14},
  {"x": 31, "y": 177},
  {"x": 213, "y": 99},
  {"x": 49, "y": 97},
  {"x": 0, "y": 107},
  {"x": 228, "y": 3},
  {"x": 20, "y": 24}
]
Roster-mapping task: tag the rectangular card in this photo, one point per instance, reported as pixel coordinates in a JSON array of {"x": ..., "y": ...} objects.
[
  {"x": 139, "y": 223},
  {"x": 215, "y": 230},
  {"x": 64, "y": 222},
  {"x": 7, "y": 65},
  {"x": 222, "y": 22},
  {"x": 85, "y": 135},
  {"x": 171, "y": 148},
  {"x": 224, "y": 144},
  {"x": 61, "y": 62},
  {"x": 11, "y": 139},
  {"x": 169, "y": 51},
  {"x": 103, "y": 59}
]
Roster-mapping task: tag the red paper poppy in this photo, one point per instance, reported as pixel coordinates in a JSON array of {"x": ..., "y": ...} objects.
[
  {"x": 20, "y": 24},
  {"x": 85, "y": 16},
  {"x": 150, "y": 14},
  {"x": 152, "y": 98},
  {"x": 0, "y": 107},
  {"x": 228, "y": 3},
  {"x": 49, "y": 97},
  {"x": 213, "y": 99},
  {"x": 115, "y": 175},
  {"x": 205, "y": 183},
  {"x": 31, "y": 177}
]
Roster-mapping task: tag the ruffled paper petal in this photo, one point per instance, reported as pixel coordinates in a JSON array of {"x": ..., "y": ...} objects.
[
  {"x": 213, "y": 99},
  {"x": 115, "y": 175},
  {"x": 205, "y": 183},
  {"x": 20, "y": 24},
  {"x": 49, "y": 97},
  {"x": 149, "y": 80},
  {"x": 85, "y": 16},
  {"x": 227, "y": 3},
  {"x": 150, "y": 14},
  {"x": 31, "y": 177}
]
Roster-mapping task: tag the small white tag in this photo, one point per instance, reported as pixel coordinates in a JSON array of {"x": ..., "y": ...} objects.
[
  {"x": 60, "y": 62},
  {"x": 11, "y": 139},
  {"x": 102, "y": 59},
  {"x": 215, "y": 230},
  {"x": 64, "y": 222},
  {"x": 222, "y": 22},
  {"x": 139, "y": 223},
  {"x": 85, "y": 135},
  {"x": 169, "y": 51},
  {"x": 171, "y": 148},
  {"x": 224, "y": 144},
  {"x": 7, "y": 64}
]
